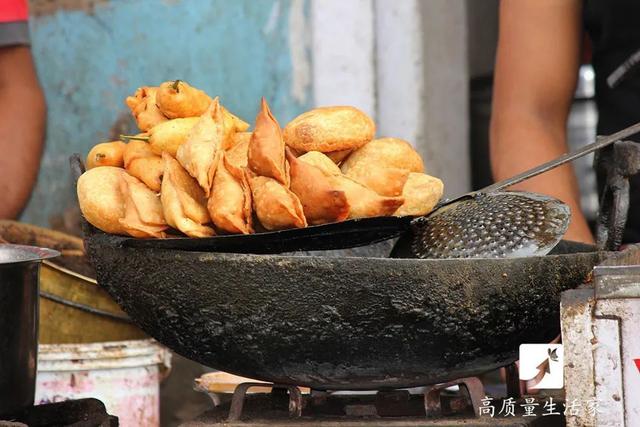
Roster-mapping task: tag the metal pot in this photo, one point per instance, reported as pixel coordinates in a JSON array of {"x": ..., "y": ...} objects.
[{"x": 19, "y": 270}]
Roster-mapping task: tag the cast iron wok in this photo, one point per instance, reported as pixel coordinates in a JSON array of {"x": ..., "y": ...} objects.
[{"x": 340, "y": 323}]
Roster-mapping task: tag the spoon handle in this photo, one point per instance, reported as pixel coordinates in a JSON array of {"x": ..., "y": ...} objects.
[{"x": 601, "y": 142}]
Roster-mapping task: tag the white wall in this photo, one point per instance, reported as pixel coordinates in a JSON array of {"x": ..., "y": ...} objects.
[
  {"x": 400, "y": 74},
  {"x": 343, "y": 53},
  {"x": 446, "y": 93}
]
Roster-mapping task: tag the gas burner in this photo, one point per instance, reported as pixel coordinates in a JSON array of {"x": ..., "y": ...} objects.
[
  {"x": 77, "y": 413},
  {"x": 434, "y": 402},
  {"x": 434, "y": 405}
]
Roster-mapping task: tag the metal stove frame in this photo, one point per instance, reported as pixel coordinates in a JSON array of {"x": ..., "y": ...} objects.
[{"x": 601, "y": 337}]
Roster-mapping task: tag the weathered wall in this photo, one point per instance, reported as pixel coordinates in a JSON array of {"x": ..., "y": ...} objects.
[{"x": 91, "y": 54}]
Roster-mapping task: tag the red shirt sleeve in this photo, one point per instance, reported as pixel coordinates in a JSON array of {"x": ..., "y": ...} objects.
[{"x": 13, "y": 10}]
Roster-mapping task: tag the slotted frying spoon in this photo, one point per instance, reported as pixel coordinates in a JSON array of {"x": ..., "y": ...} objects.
[
  {"x": 491, "y": 223},
  {"x": 486, "y": 223}
]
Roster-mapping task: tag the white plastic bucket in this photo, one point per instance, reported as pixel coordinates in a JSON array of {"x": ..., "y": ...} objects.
[{"x": 124, "y": 375}]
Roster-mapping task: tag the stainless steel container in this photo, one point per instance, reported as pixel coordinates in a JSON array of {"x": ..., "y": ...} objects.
[{"x": 19, "y": 270}]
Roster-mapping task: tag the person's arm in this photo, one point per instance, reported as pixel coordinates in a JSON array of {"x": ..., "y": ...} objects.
[
  {"x": 536, "y": 71},
  {"x": 22, "y": 128}
]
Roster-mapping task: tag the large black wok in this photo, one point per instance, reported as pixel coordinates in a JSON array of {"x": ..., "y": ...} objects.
[{"x": 340, "y": 323}]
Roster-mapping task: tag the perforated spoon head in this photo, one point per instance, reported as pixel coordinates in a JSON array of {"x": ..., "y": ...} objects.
[{"x": 491, "y": 225}]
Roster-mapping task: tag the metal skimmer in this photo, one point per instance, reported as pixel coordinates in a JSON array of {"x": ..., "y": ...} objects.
[
  {"x": 491, "y": 223},
  {"x": 494, "y": 225}
]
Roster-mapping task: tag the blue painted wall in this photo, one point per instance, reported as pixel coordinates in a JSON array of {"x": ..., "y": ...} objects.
[{"x": 90, "y": 60}]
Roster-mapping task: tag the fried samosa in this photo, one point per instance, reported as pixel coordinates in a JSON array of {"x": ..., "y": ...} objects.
[
  {"x": 178, "y": 99},
  {"x": 239, "y": 151},
  {"x": 364, "y": 202},
  {"x": 321, "y": 201},
  {"x": 143, "y": 210},
  {"x": 200, "y": 154},
  {"x": 382, "y": 180},
  {"x": 238, "y": 154},
  {"x": 421, "y": 194},
  {"x": 266, "y": 148},
  {"x": 106, "y": 154},
  {"x": 232, "y": 125},
  {"x": 183, "y": 201},
  {"x": 329, "y": 129},
  {"x": 144, "y": 108},
  {"x": 385, "y": 152},
  {"x": 239, "y": 138},
  {"x": 100, "y": 199},
  {"x": 230, "y": 202},
  {"x": 276, "y": 207},
  {"x": 144, "y": 164},
  {"x": 322, "y": 162},
  {"x": 237, "y": 124}
]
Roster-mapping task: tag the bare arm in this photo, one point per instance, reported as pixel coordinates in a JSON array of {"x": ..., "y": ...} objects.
[
  {"x": 536, "y": 70},
  {"x": 22, "y": 127}
]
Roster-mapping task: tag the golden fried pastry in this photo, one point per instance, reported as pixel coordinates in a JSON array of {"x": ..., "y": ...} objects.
[
  {"x": 239, "y": 138},
  {"x": 321, "y": 201},
  {"x": 384, "y": 181},
  {"x": 322, "y": 162},
  {"x": 144, "y": 108},
  {"x": 138, "y": 97},
  {"x": 364, "y": 202},
  {"x": 338, "y": 156},
  {"x": 329, "y": 129},
  {"x": 167, "y": 136},
  {"x": 232, "y": 125},
  {"x": 276, "y": 207},
  {"x": 230, "y": 202},
  {"x": 100, "y": 199},
  {"x": 421, "y": 194},
  {"x": 238, "y": 154},
  {"x": 200, "y": 153},
  {"x": 266, "y": 148},
  {"x": 106, "y": 154},
  {"x": 177, "y": 99},
  {"x": 143, "y": 211},
  {"x": 385, "y": 152},
  {"x": 183, "y": 201},
  {"x": 235, "y": 122},
  {"x": 144, "y": 164}
]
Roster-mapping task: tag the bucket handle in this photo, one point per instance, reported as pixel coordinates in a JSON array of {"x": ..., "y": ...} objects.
[{"x": 84, "y": 307}]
